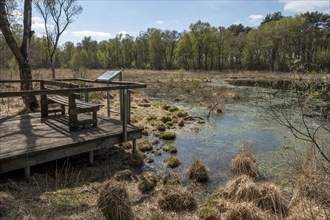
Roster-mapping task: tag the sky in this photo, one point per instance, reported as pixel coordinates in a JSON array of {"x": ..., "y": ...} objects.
[{"x": 102, "y": 20}]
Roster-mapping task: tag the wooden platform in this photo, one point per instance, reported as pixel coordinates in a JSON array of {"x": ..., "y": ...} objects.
[{"x": 27, "y": 140}]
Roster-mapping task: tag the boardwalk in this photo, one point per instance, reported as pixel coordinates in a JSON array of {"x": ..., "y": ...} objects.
[{"x": 27, "y": 140}]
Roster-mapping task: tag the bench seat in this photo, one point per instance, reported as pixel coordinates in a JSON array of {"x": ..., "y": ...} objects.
[{"x": 71, "y": 100}]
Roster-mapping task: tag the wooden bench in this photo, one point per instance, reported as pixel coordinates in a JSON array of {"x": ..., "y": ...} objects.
[{"x": 71, "y": 100}]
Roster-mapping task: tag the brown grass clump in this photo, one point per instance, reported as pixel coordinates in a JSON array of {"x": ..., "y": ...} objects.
[
  {"x": 171, "y": 179},
  {"x": 114, "y": 202},
  {"x": 136, "y": 161},
  {"x": 208, "y": 210},
  {"x": 176, "y": 198},
  {"x": 316, "y": 187},
  {"x": 170, "y": 148},
  {"x": 145, "y": 146},
  {"x": 245, "y": 163},
  {"x": 123, "y": 175},
  {"x": 247, "y": 192},
  {"x": 244, "y": 210},
  {"x": 147, "y": 182},
  {"x": 198, "y": 171},
  {"x": 222, "y": 205},
  {"x": 229, "y": 192},
  {"x": 307, "y": 209},
  {"x": 271, "y": 199},
  {"x": 7, "y": 202}
]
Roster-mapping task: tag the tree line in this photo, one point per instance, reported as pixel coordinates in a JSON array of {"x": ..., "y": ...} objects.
[{"x": 279, "y": 43}]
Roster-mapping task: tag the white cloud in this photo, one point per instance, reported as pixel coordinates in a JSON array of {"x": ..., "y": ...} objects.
[
  {"x": 38, "y": 23},
  {"x": 37, "y": 26},
  {"x": 122, "y": 32},
  {"x": 96, "y": 34},
  {"x": 255, "y": 19},
  {"x": 37, "y": 19},
  {"x": 159, "y": 22},
  {"x": 237, "y": 22},
  {"x": 304, "y": 6}
]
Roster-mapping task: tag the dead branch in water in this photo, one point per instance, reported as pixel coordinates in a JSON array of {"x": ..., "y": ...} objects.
[{"x": 215, "y": 105}]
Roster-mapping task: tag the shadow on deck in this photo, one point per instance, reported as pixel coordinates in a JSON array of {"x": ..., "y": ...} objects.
[{"x": 27, "y": 140}]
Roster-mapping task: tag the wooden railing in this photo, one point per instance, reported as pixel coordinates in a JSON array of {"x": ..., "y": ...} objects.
[{"x": 122, "y": 86}]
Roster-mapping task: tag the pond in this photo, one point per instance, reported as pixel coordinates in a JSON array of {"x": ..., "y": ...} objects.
[{"x": 221, "y": 137}]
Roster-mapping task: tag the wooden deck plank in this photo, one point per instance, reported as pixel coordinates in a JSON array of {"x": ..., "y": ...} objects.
[{"x": 40, "y": 140}]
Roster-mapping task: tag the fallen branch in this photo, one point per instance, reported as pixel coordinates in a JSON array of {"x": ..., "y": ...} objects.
[
  {"x": 189, "y": 117},
  {"x": 215, "y": 105}
]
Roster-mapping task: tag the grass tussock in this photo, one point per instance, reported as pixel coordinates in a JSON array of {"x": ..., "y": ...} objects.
[
  {"x": 229, "y": 191},
  {"x": 271, "y": 199},
  {"x": 170, "y": 148},
  {"x": 306, "y": 209},
  {"x": 172, "y": 179},
  {"x": 316, "y": 187},
  {"x": 169, "y": 135},
  {"x": 247, "y": 192},
  {"x": 136, "y": 160},
  {"x": 114, "y": 202},
  {"x": 147, "y": 182},
  {"x": 123, "y": 175},
  {"x": 7, "y": 202},
  {"x": 208, "y": 210},
  {"x": 172, "y": 162},
  {"x": 244, "y": 210},
  {"x": 245, "y": 163},
  {"x": 176, "y": 198},
  {"x": 198, "y": 171},
  {"x": 145, "y": 146}
]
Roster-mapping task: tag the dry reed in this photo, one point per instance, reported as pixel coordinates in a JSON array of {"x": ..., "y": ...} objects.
[
  {"x": 114, "y": 202},
  {"x": 246, "y": 211},
  {"x": 176, "y": 198},
  {"x": 245, "y": 163},
  {"x": 198, "y": 171}
]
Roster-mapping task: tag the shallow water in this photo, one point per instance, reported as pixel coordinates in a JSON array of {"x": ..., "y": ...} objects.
[{"x": 220, "y": 138}]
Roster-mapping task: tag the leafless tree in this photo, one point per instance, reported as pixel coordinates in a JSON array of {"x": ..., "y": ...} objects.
[
  {"x": 57, "y": 16},
  {"x": 20, "y": 52},
  {"x": 299, "y": 113}
]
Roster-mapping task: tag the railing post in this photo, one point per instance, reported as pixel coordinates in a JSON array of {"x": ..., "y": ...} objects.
[
  {"x": 124, "y": 114},
  {"x": 108, "y": 101},
  {"x": 121, "y": 98},
  {"x": 73, "y": 117},
  {"x": 129, "y": 107},
  {"x": 43, "y": 101},
  {"x": 86, "y": 92}
]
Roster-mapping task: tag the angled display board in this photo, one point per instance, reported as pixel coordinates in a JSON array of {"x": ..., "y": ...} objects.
[{"x": 108, "y": 76}]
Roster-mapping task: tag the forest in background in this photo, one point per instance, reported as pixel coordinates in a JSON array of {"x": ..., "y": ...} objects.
[{"x": 279, "y": 43}]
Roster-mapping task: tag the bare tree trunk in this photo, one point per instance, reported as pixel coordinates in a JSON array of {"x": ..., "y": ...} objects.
[
  {"x": 52, "y": 67},
  {"x": 20, "y": 53}
]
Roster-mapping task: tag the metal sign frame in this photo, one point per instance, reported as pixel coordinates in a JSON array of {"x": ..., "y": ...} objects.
[{"x": 108, "y": 76}]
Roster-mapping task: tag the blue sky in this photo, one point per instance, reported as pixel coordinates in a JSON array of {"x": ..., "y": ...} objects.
[{"x": 104, "y": 19}]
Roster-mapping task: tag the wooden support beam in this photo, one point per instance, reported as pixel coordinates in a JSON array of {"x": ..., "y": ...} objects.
[
  {"x": 27, "y": 171},
  {"x": 134, "y": 146},
  {"x": 91, "y": 157}
]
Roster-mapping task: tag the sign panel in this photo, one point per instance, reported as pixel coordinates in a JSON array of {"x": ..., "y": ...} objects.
[{"x": 108, "y": 76}]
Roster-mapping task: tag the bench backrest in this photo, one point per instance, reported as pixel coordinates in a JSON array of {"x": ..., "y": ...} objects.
[{"x": 59, "y": 84}]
